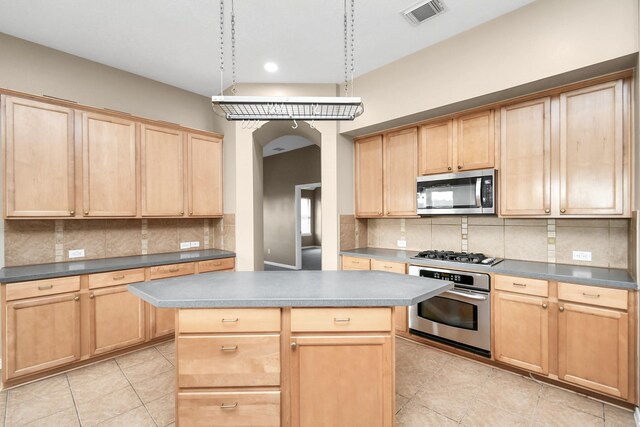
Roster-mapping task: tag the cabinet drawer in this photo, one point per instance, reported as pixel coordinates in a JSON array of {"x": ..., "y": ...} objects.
[
  {"x": 355, "y": 263},
  {"x": 38, "y": 288},
  {"x": 248, "y": 408},
  {"x": 340, "y": 319},
  {"x": 112, "y": 278},
  {"x": 603, "y": 297},
  {"x": 392, "y": 267},
  {"x": 216, "y": 320},
  {"x": 171, "y": 270},
  {"x": 216, "y": 264},
  {"x": 228, "y": 360},
  {"x": 521, "y": 285}
]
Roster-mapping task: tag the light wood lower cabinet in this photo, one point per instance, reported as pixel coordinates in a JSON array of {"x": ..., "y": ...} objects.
[
  {"x": 163, "y": 319},
  {"x": 401, "y": 319},
  {"x": 116, "y": 319},
  {"x": 41, "y": 333},
  {"x": 236, "y": 408}
]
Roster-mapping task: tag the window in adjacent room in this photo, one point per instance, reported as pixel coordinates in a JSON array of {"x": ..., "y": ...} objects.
[{"x": 305, "y": 216}]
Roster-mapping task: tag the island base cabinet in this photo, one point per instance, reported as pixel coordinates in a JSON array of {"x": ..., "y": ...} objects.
[
  {"x": 226, "y": 409},
  {"x": 163, "y": 321},
  {"x": 42, "y": 333},
  {"x": 353, "y": 374},
  {"x": 593, "y": 347}
]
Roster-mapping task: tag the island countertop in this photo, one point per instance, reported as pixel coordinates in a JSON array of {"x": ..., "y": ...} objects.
[{"x": 289, "y": 289}]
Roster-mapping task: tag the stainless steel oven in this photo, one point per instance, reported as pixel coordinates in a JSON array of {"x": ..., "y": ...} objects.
[
  {"x": 460, "y": 316},
  {"x": 459, "y": 193}
]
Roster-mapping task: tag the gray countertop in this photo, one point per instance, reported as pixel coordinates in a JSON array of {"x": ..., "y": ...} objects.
[
  {"x": 584, "y": 275},
  {"x": 75, "y": 268},
  {"x": 289, "y": 289}
]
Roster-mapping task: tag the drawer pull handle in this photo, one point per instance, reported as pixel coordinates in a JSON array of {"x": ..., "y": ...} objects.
[
  {"x": 388, "y": 266},
  {"x": 341, "y": 319},
  {"x": 230, "y": 320},
  {"x": 118, "y": 277},
  {"x": 590, "y": 295},
  {"x": 174, "y": 269},
  {"x": 223, "y": 406},
  {"x": 45, "y": 287},
  {"x": 522, "y": 285},
  {"x": 225, "y": 348},
  {"x": 356, "y": 262},
  {"x": 216, "y": 264}
]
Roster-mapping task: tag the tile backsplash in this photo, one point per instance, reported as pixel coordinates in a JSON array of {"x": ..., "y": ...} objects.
[
  {"x": 44, "y": 241},
  {"x": 544, "y": 240}
]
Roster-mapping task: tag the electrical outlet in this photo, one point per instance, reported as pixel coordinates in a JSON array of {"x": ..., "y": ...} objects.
[
  {"x": 581, "y": 256},
  {"x": 195, "y": 244},
  {"x": 402, "y": 243},
  {"x": 76, "y": 253},
  {"x": 185, "y": 245}
]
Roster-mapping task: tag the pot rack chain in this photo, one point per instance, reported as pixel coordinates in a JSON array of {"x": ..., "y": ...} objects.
[
  {"x": 349, "y": 61},
  {"x": 221, "y": 47},
  {"x": 233, "y": 48}
]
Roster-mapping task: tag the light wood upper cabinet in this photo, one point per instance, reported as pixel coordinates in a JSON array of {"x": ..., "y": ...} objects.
[
  {"x": 42, "y": 333},
  {"x": 39, "y": 158},
  {"x": 162, "y": 171},
  {"x": 116, "y": 319},
  {"x": 436, "y": 148},
  {"x": 109, "y": 166},
  {"x": 400, "y": 172},
  {"x": 205, "y": 175},
  {"x": 525, "y": 159},
  {"x": 522, "y": 331},
  {"x": 475, "y": 141},
  {"x": 592, "y": 150},
  {"x": 368, "y": 158}
]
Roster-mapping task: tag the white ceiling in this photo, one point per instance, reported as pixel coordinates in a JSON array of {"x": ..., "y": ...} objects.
[
  {"x": 177, "y": 41},
  {"x": 285, "y": 144}
]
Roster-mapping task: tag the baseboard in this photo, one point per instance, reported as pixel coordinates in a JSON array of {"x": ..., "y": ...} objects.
[
  {"x": 311, "y": 247},
  {"x": 636, "y": 416},
  {"x": 275, "y": 264}
]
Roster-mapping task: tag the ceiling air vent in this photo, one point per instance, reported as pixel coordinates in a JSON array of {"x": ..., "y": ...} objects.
[
  {"x": 423, "y": 10},
  {"x": 279, "y": 149}
]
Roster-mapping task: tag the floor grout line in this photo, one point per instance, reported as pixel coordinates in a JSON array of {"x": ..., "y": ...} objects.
[
  {"x": 73, "y": 398},
  {"x": 136, "y": 392}
]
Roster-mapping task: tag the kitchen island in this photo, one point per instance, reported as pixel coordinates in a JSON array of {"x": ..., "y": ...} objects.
[{"x": 286, "y": 348}]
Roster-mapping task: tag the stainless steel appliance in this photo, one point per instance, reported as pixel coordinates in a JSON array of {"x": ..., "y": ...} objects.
[
  {"x": 460, "y": 316},
  {"x": 447, "y": 257},
  {"x": 461, "y": 193}
]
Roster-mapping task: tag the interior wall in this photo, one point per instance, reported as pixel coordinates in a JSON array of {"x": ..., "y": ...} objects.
[{"x": 281, "y": 173}]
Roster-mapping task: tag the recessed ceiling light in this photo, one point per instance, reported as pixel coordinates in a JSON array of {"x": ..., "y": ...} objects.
[{"x": 271, "y": 67}]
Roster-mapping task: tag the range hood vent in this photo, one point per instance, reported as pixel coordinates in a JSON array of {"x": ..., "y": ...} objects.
[{"x": 421, "y": 11}]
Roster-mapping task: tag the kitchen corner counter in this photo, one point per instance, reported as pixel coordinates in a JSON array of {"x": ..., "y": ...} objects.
[
  {"x": 289, "y": 289},
  {"x": 579, "y": 274},
  {"x": 75, "y": 268}
]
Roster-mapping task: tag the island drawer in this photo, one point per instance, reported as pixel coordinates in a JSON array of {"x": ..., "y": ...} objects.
[
  {"x": 347, "y": 319},
  {"x": 216, "y": 265},
  {"x": 228, "y": 361},
  {"x": 521, "y": 285},
  {"x": 390, "y": 266},
  {"x": 248, "y": 408},
  {"x": 112, "y": 278},
  {"x": 217, "y": 320},
  {"x": 355, "y": 263},
  {"x": 603, "y": 297},
  {"x": 171, "y": 270},
  {"x": 38, "y": 288}
]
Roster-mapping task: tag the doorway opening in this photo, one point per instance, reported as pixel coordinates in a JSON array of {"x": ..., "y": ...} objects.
[{"x": 308, "y": 226}]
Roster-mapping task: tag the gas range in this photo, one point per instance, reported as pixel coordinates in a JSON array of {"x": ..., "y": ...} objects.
[{"x": 457, "y": 257}]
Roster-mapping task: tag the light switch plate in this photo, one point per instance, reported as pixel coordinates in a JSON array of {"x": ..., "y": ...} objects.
[
  {"x": 76, "y": 253},
  {"x": 195, "y": 244},
  {"x": 581, "y": 256},
  {"x": 402, "y": 243},
  {"x": 185, "y": 245}
]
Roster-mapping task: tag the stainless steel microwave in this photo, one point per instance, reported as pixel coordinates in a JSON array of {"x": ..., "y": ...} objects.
[{"x": 460, "y": 193}]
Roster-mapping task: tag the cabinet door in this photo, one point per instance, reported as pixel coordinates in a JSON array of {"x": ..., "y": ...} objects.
[
  {"x": 163, "y": 321},
  {"x": 162, "y": 171},
  {"x": 522, "y": 331},
  {"x": 42, "y": 333},
  {"x": 205, "y": 175},
  {"x": 116, "y": 319},
  {"x": 591, "y": 150},
  {"x": 475, "y": 141},
  {"x": 400, "y": 172},
  {"x": 39, "y": 141},
  {"x": 436, "y": 148},
  {"x": 109, "y": 166},
  {"x": 525, "y": 159},
  {"x": 593, "y": 348},
  {"x": 369, "y": 176},
  {"x": 356, "y": 371}
]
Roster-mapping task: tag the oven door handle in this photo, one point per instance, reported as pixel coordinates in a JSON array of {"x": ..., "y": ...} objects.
[
  {"x": 467, "y": 295},
  {"x": 479, "y": 192}
]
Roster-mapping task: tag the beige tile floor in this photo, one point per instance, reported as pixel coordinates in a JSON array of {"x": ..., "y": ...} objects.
[{"x": 434, "y": 388}]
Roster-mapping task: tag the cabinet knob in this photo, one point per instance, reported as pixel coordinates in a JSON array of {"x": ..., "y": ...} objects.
[
  {"x": 182, "y": 213},
  {"x": 449, "y": 168},
  {"x": 544, "y": 305},
  {"x": 379, "y": 213},
  {"x": 561, "y": 308},
  {"x": 190, "y": 213},
  {"x": 294, "y": 345},
  {"x": 459, "y": 167},
  {"x": 86, "y": 212},
  {"x": 563, "y": 210},
  {"x": 547, "y": 210},
  {"x": 92, "y": 296},
  {"x": 72, "y": 213},
  {"x": 387, "y": 212},
  {"x": 76, "y": 298}
]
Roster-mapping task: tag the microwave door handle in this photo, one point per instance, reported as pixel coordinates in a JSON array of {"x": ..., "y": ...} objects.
[
  {"x": 479, "y": 192},
  {"x": 467, "y": 295}
]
